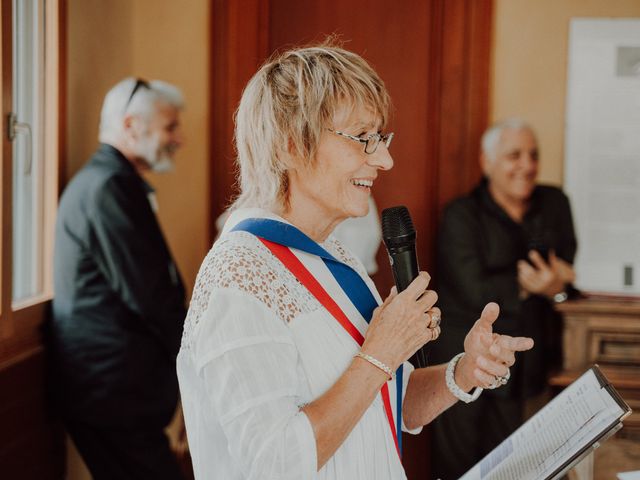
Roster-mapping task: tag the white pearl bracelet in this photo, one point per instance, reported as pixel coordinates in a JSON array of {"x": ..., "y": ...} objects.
[
  {"x": 374, "y": 361},
  {"x": 454, "y": 388}
]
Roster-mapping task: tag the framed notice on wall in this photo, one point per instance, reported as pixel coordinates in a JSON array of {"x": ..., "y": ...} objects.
[{"x": 602, "y": 152}]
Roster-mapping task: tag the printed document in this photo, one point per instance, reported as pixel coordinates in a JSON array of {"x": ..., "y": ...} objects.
[{"x": 568, "y": 426}]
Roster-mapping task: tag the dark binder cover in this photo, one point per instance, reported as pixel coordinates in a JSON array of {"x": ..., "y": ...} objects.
[
  {"x": 499, "y": 465},
  {"x": 604, "y": 435}
]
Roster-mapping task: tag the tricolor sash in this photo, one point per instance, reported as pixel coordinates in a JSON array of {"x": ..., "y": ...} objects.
[{"x": 279, "y": 238}]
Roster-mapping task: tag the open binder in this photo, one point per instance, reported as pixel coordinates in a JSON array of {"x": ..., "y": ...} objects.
[{"x": 567, "y": 429}]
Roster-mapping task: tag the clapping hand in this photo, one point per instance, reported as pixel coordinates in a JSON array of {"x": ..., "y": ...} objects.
[{"x": 542, "y": 278}]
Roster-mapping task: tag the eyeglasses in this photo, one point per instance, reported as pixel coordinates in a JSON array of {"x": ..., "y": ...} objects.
[
  {"x": 371, "y": 142},
  {"x": 140, "y": 83}
]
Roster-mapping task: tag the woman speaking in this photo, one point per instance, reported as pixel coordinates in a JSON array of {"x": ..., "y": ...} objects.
[{"x": 292, "y": 366}]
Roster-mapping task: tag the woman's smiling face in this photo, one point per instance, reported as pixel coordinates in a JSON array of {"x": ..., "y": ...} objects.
[{"x": 338, "y": 184}]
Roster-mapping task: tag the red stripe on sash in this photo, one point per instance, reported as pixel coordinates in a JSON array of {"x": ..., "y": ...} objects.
[
  {"x": 384, "y": 391},
  {"x": 301, "y": 272},
  {"x": 308, "y": 280}
]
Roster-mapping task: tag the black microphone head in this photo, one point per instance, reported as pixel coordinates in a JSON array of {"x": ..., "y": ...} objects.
[{"x": 397, "y": 227}]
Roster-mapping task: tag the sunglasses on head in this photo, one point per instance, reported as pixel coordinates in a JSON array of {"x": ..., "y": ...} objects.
[{"x": 140, "y": 83}]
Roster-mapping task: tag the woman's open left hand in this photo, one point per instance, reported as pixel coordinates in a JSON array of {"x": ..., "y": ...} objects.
[{"x": 488, "y": 355}]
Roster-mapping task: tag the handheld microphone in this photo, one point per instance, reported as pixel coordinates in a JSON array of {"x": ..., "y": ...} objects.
[{"x": 399, "y": 237}]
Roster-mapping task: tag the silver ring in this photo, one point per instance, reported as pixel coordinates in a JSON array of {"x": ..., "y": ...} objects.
[
  {"x": 500, "y": 380},
  {"x": 494, "y": 384}
]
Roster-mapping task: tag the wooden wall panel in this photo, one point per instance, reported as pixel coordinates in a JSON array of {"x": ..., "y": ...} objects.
[
  {"x": 463, "y": 89},
  {"x": 395, "y": 40},
  {"x": 32, "y": 441},
  {"x": 434, "y": 58},
  {"x": 239, "y": 33}
]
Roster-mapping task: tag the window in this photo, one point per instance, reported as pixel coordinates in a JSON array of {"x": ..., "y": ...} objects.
[
  {"x": 31, "y": 76},
  {"x": 26, "y": 127}
]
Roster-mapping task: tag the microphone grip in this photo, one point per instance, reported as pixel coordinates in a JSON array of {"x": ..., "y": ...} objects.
[
  {"x": 419, "y": 359},
  {"x": 404, "y": 264},
  {"x": 405, "y": 267}
]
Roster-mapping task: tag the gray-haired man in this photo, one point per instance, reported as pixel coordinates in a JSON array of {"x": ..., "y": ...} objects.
[
  {"x": 119, "y": 303},
  {"x": 510, "y": 241}
]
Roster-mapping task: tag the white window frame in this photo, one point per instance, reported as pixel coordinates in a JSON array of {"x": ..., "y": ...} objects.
[{"x": 20, "y": 321}]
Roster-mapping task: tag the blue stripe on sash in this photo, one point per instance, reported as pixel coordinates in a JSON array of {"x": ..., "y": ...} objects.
[
  {"x": 399, "y": 407},
  {"x": 291, "y": 237},
  {"x": 348, "y": 279}
]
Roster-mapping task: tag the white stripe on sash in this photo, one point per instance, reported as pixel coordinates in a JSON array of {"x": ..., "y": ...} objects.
[{"x": 319, "y": 270}]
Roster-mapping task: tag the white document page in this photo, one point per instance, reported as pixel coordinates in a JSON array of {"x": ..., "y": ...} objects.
[{"x": 552, "y": 436}]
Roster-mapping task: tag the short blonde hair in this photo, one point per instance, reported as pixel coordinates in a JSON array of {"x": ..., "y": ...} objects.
[{"x": 285, "y": 108}]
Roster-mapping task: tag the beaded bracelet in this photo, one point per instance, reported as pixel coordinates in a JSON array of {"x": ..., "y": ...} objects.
[
  {"x": 453, "y": 386},
  {"x": 374, "y": 361}
]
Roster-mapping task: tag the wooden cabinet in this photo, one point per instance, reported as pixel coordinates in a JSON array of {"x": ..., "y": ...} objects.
[
  {"x": 606, "y": 332},
  {"x": 601, "y": 331}
]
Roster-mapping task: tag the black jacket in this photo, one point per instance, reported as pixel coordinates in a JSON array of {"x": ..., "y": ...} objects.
[
  {"x": 479, "y": 246},
  {"x": 119, "y": 302}
]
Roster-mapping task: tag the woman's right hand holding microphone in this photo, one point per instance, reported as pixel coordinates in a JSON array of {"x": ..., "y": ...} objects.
[{"x": 403, "y": 323}]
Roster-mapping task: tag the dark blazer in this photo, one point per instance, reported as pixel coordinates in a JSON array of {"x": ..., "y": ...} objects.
[
  {"x": 119, "y": 302},
  {"x": 479, "y": 246}
]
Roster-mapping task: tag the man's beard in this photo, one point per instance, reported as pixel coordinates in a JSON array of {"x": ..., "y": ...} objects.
[{"x": 159, "y": 159}]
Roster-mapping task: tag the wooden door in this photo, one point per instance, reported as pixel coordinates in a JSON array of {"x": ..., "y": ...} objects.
[{"x": 434, "y": 58}]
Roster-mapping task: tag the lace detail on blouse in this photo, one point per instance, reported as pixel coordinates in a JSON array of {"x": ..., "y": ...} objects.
[
  {"x": 335, "y": 248},
  {"x": 239, "y": 261}
]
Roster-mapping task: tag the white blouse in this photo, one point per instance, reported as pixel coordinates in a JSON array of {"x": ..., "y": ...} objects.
[{"x": 257, "y": 346}]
